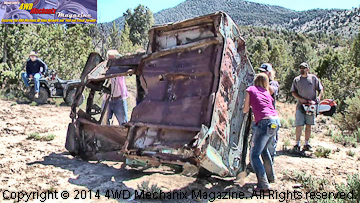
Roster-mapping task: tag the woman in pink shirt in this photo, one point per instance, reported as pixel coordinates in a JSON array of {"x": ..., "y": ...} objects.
[{"x": 266, "y": 125}]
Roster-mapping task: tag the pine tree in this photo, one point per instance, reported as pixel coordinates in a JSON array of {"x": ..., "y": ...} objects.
[
  {"x": 113, "y": 41},
  {"x": 126, "y": 46},
  {"x": 329, "y": 65},
  {"x": 355, "y": 51},
  {"x": 140, "y": 21},
  {"x": 260, "y": 54}
]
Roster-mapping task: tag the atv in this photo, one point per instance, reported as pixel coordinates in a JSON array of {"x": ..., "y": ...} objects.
[{"x": 52, "y": 86}]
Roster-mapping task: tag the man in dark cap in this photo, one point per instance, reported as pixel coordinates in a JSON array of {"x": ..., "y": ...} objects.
[{"x": 304, "y": 89}]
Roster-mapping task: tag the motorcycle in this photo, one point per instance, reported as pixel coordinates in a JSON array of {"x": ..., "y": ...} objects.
[{"x": 51, "y": 86}]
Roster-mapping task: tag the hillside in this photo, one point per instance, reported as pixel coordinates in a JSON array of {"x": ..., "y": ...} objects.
[
  {"x": 334, "y": 21},
  {"x": 344, "y": 23}
]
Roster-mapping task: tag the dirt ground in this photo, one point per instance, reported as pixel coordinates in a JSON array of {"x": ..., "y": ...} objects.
[{"x": 40, "y": 167}]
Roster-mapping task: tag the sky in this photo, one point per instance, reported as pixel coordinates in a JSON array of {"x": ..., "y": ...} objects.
[{"x": 109, "y": 10}]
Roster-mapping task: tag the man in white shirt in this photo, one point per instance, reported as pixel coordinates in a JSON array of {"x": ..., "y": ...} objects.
[{"x": 117, "y": 104}]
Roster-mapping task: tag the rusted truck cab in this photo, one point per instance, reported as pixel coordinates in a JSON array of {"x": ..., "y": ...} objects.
[{"x": 191, "y": 85}]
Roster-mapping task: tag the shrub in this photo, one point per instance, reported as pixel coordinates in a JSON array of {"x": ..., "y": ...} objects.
[
  {"x": 287, "y": 142},
  {"x": 350, "y": 141},
  {"x": 309, "y": 182},
  {"x": 322, "y": 152},
  {"x": 292, "y": 121},
  {"x": 357, "y": 135},
  {"x": 344, "y": 140},
  {"x": 329, "y": 133},
  {"x": 284, "y": 123},
  {"x": 352, "y": 188},
  {"x": 36, "y": 136},
  {"x": 33, "y": 103},
  {"x": 350, "y": 117},
  {"x": 48, "y": 137},
  {"x": 145, "y": 186},
  {"x": 350, "y": 153}
]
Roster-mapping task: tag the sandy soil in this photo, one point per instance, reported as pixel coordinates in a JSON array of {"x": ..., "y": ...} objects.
[{"x": 44, "y": 166}]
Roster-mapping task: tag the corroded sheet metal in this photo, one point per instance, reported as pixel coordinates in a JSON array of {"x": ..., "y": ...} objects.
[
  {"x": 93, "y": 60},
  {"x": 194, "y": 76},
  {"x": 236, "y": 74},
  {"x": 115, "y": 67},
  {"x": 178, "y": 87},
  {"x": 116, "y": 134},
  {"x": 133, "y": 60}
]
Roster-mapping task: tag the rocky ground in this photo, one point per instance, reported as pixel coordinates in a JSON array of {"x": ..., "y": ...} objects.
[{"x": 39, "y": 166}]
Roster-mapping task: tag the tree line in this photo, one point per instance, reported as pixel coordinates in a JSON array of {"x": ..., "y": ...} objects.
[{"x": 334, "y": 60}]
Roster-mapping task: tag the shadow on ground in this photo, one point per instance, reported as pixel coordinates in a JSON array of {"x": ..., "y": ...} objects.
[
  {"x": 102, "y": 177},
  {"x": 292, "y": 153}
]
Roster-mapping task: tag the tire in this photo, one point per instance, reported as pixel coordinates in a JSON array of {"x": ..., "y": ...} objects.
[
  {"x": 70, "y": 96},
  {"x": 43, "y": 95}
]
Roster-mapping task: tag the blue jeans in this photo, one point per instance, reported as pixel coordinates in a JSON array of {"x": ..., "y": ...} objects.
[
  {"x": 273, "y": 144},
  {"x": 119, "y": 108},
  {"x": 264, "y": 133},
  {"x": 36, "y": 77}
]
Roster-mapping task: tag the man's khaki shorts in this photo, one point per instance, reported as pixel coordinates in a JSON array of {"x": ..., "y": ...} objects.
[{"x": 302, "y": 118}]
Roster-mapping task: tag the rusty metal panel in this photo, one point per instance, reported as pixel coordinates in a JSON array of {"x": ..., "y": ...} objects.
[
  {"x": 115, "y": 67},
  {"x": 199, "y": 86},
  {"x": 227, "y": 91},
  {"x": 178, "y": 88},
  {"x": 228, "y": 125},
  {"x": 194, "y": 78},
  {"x": 98, "y": 72},
  {"x": 116, "y": 134},
  {"x": 132, "y": 60},
  {"x": 183, "y": 36},
  {"x": 211, "y": 18},
  {"x": 93, "y": 60},
  {"x": 156, "y": 138}
]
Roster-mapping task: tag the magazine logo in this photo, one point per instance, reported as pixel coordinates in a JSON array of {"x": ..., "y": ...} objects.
[
  {"x": 29, "y": 7},
  {"x": 26, "y": 6},
  {"x": 63, "y": 15}
]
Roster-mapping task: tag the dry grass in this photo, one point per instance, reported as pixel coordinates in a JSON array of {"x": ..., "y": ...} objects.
[{"x": 286, "y": 111}]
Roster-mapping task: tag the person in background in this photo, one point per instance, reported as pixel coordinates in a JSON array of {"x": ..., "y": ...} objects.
[
  {"x": 304, "y": 89},
  {"x": 274, "y": 91},
  {"x": 117, "y": 104},
  {"x": 35, "y": 68},
  {"x": 266, "y": 125}
]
